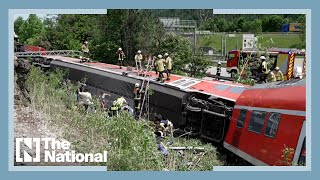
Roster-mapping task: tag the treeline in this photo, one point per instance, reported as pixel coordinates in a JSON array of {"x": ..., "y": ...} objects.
[
  {"x": 138, "y": 29},
  {"x": 255, "y": 23},
  {"x": 130, "y": 29}
]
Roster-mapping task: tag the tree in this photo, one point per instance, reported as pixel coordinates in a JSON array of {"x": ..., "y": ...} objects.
[
  {"x": 17, "y": 24},
  {"x": 30, "y": 29}
]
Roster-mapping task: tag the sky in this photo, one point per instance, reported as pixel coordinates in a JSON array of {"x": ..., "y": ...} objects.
[{"x": 25, "y": 16}]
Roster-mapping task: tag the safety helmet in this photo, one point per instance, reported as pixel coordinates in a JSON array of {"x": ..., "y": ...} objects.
[
  {"x": 15, "y": 35},
  {"x": 120, "y": 49},
  {"x": 139, "y": 52},
  {"x": 277, "y": 68},
  {"x": 262, "y": 58},
  {"x": 166, "y": 54},
  {"x": 86, "y": 42},
  {"x": 159, "y": 56},
  {"x": 219, "y": 62},
  {"x": 137, "y": 85}
]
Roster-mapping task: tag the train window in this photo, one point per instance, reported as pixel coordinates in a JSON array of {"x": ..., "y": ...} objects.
[
  {"x": 236, "y": 89},
  {"x": 242, "y": 118},
  {"x": 272, "y": 125},
  {"x": 221, "y": 87},
  {"x": 256, "y": 121}
]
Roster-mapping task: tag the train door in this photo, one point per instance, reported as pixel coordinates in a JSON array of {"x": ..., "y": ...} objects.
[{"x": 282, "y": 63}]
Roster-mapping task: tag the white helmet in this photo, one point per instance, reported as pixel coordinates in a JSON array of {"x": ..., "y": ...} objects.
[
  {"x": 219, "y": 62},
  {"x": 137, "y": 85},
  {"x": 139, "y": 52},
  {"x": 277, "y": 68},
  {"x": 15, "y": 35},
  {"x": 159, "y": 56},
  {"x": 86, "y": 42},
  {"x": 262, "y": 58},
  {"x": 120, "y": 49},
  {"x": 166, "y": 54}
]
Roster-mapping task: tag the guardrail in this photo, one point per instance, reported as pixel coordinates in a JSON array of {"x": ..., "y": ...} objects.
[{"x": 48, "y": 53}]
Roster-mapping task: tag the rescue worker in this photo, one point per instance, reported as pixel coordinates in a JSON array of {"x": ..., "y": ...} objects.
[
  {"x": 138, "y": 58},
  {"x": 218, "y": 74},
  {"x": 278, "y": 74},
  {"x": 121, "y": 57},
  {"x": 155, "y": 64},
  {"x": 102, "y": 100},
  {"x": 117, "y": 105},
  {"x": 86, "y": 98},
  {"x": 137, "y": 98},
  {"x": 160, "y": 68},
  {"x": 168, "y": 63},
  {"x": 271, "y": 77},
  {"x": 164, "y": 125},
  {"x": 264, "y": 68},
  {"x": 85, "y": 51}
]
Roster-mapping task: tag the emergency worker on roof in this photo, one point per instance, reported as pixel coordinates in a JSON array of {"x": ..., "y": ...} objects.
[
  {"x": 85, "y": 50},
  {"x": 168, "y": 63},
  {"x": 218, "y": 70},
  {"x": 160, "y": 68},
  {"x": 278, "y": 74},
  {"x": 121, "y": 56},
  {"x": 138, "y": 58},
  {"x": 264, "y": 67}
]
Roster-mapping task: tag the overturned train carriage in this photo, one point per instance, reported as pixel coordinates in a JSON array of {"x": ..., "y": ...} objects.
[{"x": 203, "y": 108}]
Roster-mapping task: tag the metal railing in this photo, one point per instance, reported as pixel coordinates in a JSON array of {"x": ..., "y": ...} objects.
[{"x": 48, "y": 53}]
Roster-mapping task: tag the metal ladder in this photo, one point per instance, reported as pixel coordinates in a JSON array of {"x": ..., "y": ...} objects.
[
  {"x": 48, "y": 53},
  {"x": 146, "y": 80}
]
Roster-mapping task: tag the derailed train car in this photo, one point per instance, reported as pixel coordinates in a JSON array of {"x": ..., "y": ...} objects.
[
  {"x": 253, "y": 123},
  {"x": 201, "y": 107}
]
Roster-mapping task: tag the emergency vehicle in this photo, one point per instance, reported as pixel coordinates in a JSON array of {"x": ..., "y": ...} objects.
[{"x": 236, "y": 58}]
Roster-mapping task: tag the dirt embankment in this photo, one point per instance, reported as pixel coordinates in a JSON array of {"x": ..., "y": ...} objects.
[{"x": 29, "y": 123}]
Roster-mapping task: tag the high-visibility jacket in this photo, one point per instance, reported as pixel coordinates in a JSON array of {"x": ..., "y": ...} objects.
[
  {"x": 168, "y": 63},
  {"x": 138, "y": 57},
  {"x": 271, "y": 77},
  {"x": 160, "y": 65},
  {"x": 279, "y": 75},
  {"x": 120, "y": 102},
  {"x": 265, "y": 67},
  {"x": 219, "y": 69},
  {"x": 85, "y": 48}
]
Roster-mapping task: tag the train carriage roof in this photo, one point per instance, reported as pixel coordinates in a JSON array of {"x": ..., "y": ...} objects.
[{"x": 221, "y": 89}]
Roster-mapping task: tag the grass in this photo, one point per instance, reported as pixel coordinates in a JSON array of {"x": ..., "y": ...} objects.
[
  {"x": 279, "y": 40},
  {"x": 130, "y": 144}
]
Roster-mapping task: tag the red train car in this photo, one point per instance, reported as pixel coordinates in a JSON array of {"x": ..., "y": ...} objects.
[{"x": 265, "y": 120}]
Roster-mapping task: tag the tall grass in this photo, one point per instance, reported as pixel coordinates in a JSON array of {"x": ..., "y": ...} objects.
[{"x": 130, "y": 144}]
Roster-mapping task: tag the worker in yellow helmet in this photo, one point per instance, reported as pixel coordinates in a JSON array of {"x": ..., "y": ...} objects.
[
  {"x": 117, "y": 105},
  {"x": 160, "y": 68},
  {"x": 138, "y": 58},
  {"x": 168, "y": 63},
  {"x": 85, "y": 51},
  {"x": 278, "y": 74},
  {"x": 271, "y": 77}
]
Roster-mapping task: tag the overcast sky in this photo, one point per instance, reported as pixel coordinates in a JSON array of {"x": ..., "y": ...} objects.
[{"x": 25, "y": 16}]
